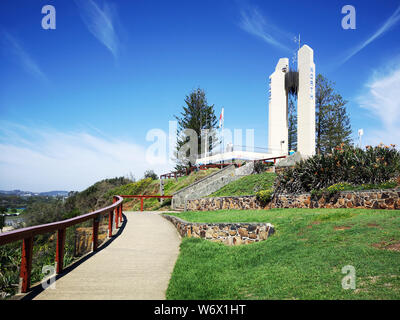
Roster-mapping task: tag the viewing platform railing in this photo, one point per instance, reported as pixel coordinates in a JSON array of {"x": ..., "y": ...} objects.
[
  {"x": 27, "y": 235},
  {"x": 142, "y": 197}
]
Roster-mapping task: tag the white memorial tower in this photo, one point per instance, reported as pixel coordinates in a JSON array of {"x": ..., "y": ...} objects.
[
  {"x": 302, "y": 83},
  {"x": 278, "y": 112}
]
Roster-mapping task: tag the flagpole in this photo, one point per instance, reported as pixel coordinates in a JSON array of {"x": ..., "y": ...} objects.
[{"x": 222, "y": 127}]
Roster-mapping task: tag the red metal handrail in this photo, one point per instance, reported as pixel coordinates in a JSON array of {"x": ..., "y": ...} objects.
[
  {"x": 141, "y": 197},
  {"x": 27, "y": 235},
  {"x": 176, "y": 174},
  {"x": 272, "y": 158}
]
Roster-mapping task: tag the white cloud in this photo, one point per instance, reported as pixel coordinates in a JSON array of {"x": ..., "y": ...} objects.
[
  {"x": 381, "y": 99},
  {"x": 43, "y": 160},
  {"x": 254, "y": 23},
  {"x": 14, "y": 48},
  {"x": 101, "y": 23},
  {"x": 389, "y": 23}
]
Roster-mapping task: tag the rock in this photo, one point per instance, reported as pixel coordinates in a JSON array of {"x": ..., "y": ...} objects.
[
  {"x": 349, "y": 204},
  {"x": 209, "y": 234},
  {"x": 243, "y": 232},
  {"x": 237, "y": 241},
  {"x": 383, "y": 205},
  {"x": 289, "y": 161},
  {"x": 228, "y": 241},
  {"x": 263, "y": 235},
  {"x": 389, "y": 201}
]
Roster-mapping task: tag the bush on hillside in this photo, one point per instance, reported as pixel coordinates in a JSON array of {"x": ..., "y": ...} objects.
[
  {"x": 94, "y": 198},
  {"x": 347, "y": 164},
  {"x": 264, "y": 196},
  {"x": 150, "y": 174},
  {"x": 260, "y": 166}
]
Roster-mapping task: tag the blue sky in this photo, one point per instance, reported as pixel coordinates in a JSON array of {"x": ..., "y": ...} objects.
[{"x": 77, "y": 102}]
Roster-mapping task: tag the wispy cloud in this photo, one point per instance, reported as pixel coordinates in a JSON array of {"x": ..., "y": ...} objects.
[
  {"x": 14, "y": 49},
  {"x": 46, "y": 159},
  {"x": 255, "y": 23},
  {"x": 389, "y": 23},
  {"x": 381, "y": 99},
  {"x": 101, "y": 23}
]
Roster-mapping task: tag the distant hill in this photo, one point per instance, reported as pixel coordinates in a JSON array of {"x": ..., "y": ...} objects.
[
  {"x": 54, "y": 193},
  {"x": 33, "y": 194}
]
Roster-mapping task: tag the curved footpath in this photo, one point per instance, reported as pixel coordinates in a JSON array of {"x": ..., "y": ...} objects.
[{"x": 136, "y": 265}]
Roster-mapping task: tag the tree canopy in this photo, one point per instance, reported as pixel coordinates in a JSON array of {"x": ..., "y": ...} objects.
[
  {"x": 197, "y": 115},
  {"x": 332, "y": 123}
]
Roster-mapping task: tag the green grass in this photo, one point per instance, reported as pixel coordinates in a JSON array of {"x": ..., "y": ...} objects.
[
  {"x": 172, "y": 186},
  {"x": 344, "y": 186},
  {"x": 247, "y": 185},
  {"x": 302, "y": 260}
]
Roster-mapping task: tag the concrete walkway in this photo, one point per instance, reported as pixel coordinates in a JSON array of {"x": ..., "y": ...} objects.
[{"x": 136, "y": 265}]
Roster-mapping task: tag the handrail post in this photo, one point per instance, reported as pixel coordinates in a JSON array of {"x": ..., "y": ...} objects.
[
  {"x": 116, "y": 213},
  {"x": 110, "y": 223},
  {"x": 96, "y": 222},
  {"x": 60, "y": 250},
  {"x": 141, "y": 203},
  {"x": 26, "y": 265},
  {"x": 120, "y": 213}
]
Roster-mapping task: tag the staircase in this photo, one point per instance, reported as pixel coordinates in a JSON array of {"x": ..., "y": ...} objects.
[{"x": 209, "y": 184}]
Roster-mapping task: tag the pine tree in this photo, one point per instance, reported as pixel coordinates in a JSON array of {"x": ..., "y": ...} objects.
[
  {"x": 292, "y": 122},
  {"x": 332, "y": 123},
  {"x": 197, "y": 115}
]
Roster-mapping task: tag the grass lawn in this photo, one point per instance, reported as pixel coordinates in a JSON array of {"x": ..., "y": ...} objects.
[
  {"x": 247, "y": 185},
  {"x": 302, "y": 260}
]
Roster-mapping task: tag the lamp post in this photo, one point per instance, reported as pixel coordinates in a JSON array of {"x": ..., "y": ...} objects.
[{"x": 360, "y": 134}]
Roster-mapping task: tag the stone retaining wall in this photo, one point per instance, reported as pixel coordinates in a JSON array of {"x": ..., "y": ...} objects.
[
  {"x": 227, "y": 233},
  {"x": 371, "y": 199}
]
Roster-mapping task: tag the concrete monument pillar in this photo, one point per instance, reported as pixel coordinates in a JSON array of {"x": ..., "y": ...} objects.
[
  {"x": 278, "y": 115},
  {"x": 302, "y": 82},
  {"x": 306, "y": 102}
]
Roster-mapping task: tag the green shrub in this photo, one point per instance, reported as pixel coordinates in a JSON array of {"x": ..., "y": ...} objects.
[
  {"x": 344, "y": 186},
  {"x": 331, "y": 190},
  {"x": 316, "y": 194},
  {"x": 260, "y": 166},
  {"x": 150, "y": 174},
  {"x": 374, "y": 165},
  {"x": 384, "y": 185},
  {"x": 341, "y": 186},
  {"x": 264, "y": 196}
]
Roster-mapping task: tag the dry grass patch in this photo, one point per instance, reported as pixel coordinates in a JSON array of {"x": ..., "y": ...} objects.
[
  {"x": 391, "y": 246},
  {"x": 339, "y": 228}
]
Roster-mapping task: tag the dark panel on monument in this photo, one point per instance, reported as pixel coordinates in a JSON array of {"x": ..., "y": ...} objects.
[{"x": 292, "y": 82}]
